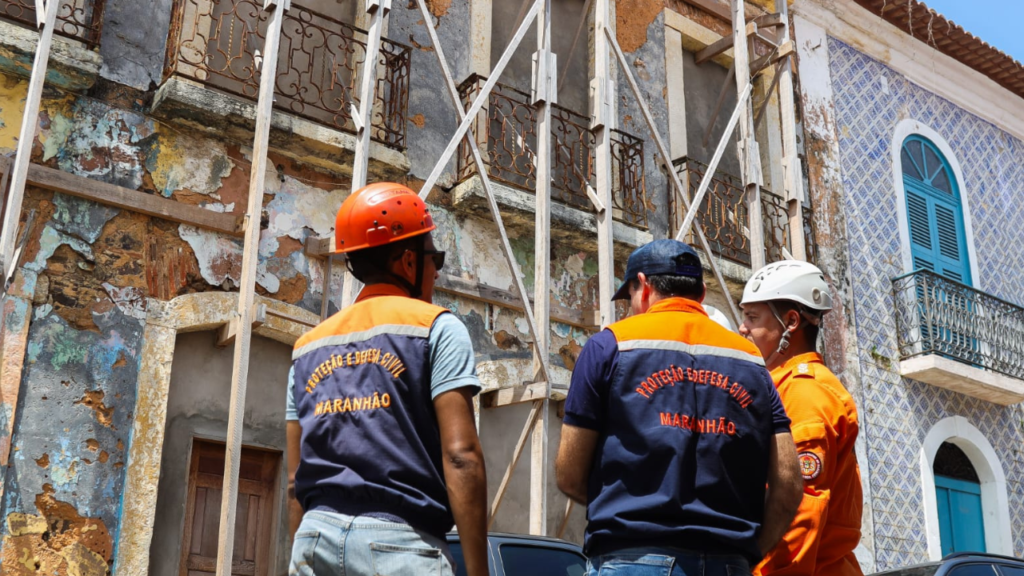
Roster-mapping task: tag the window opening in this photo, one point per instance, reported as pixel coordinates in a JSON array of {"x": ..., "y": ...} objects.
[{"x": 958, "y": 495}]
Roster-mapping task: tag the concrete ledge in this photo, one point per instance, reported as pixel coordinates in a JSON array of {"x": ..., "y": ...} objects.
[
  {"x": 964, "y": 378},
  {"x": 72, "y": 66},
  {"x": 568, "y": 225},
  {"x": 194, "y": 105}
]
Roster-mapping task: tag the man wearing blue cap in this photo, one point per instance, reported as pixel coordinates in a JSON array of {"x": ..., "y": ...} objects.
[{"x": 672, "y": 431}]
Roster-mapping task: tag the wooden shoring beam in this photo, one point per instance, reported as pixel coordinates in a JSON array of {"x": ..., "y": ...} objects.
[
  {"x": 602, "y": 124},
  {"x": 520, "y": 394},
  {"x": 792, "y": 170},
  {"x": 565, "y": 518},
  {"x": 127, "y": 199},
  {"x": 481, "y": 98},
  {"x": 750, "y": 159},
  {"x": 720, "y": 46},
  {"x": 785, "y": 50},
  {"x": 227, "y": 333},
  {"x": 767, "y": 96},
  {"x": 544, "y": 95},
  {"x": 516, "y": 454},
  {"x": 247, "y": 286},
  {"x": 666, "y": 158},
  {"x": 27, "y": 135},
  {"x": 465, "y": 117}
]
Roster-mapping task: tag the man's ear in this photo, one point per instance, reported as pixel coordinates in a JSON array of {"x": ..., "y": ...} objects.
[
  {"x": 703, "y": 293},
  {"x": 792, "y": 319}
]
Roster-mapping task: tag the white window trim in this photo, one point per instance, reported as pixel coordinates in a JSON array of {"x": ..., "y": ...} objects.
[
  {"x": 907, "y": 128},
  {"x": 994, "y": 501}
]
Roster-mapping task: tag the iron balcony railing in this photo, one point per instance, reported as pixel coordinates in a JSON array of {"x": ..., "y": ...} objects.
[
  {"x": 724, "y": 216},
  {"x": 218, "y": 43},
  {"x": 77, "y": 19},
  {"x": 506, "y": 130},
  {"x": 936, "y": 315}
]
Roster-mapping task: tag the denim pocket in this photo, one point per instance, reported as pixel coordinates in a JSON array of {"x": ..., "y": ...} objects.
[
  {"x": 645, "y": 565},
  {"x": 737, "y": 570},
  {"x": 394, "y": 560},
  {"x": 304, "y": 553}
]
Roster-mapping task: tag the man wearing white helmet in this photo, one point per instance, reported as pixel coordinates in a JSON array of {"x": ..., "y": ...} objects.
[{"x": 782, "y": 308}]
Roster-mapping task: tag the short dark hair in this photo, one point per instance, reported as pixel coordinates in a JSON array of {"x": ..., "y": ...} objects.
[
  {"x": 810, "y": 330},
  {"x": 372, "y": 264},
  {"x": 671, "y": 285}
]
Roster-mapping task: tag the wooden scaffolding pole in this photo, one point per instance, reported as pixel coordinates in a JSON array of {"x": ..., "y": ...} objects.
[
  {"x": 247, "y": 286},
  {"x": 602, "y": 122},
  {"x": 792, "y": 170},
  {"x": 46, "y": 18},
  {"x": 377, "y": 9},
  {"x": 750, "y": 159},
  {"x": 544, "y": 88}
]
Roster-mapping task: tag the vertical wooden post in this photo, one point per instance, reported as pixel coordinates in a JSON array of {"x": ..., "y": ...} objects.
[
  {"x": 544, "y": 79},
  {"x": 247, "y": 286},
  {"x": 602, "y": 122},
  {"x": 377, "y": 9},
  {"x": 29, "y": 121},
  {"x": 792, "y": 170},
  {"x": 750, "y": 163}
]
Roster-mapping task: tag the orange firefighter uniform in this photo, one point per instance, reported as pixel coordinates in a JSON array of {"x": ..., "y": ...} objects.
[{"x": 826, "y": 528}]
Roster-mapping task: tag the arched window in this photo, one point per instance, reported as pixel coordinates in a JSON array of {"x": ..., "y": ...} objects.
[
  {"x": 934, "y": 211},
  {"x": 958, "y": 496}
]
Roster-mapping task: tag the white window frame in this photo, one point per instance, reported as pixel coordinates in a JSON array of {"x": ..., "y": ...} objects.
[
  {"x": 995, "y": 504},
  {"x": 911, "y": 127}
]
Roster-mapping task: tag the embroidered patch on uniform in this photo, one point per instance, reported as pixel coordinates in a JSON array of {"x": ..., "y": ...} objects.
[
  {"x": 802, "y": 369},
  {"x": 810, "y": 465}
]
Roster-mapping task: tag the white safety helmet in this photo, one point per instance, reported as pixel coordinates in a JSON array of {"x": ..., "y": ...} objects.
[
  {"x": 719, "y": 317},
  {"x": 793, "y": 280}
]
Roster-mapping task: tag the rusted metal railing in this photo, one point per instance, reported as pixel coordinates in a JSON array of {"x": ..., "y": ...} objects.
[
  {"x": 723, "y": 215},
  {"x": 936, "y": 315},
  {"x": 507, "y": 135},
  {"x": 218, "y": 43},
  {"x": 77, "y": 19}
]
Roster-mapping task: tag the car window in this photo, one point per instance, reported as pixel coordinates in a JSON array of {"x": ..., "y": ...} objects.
[
  {"x": 973, "y": 570},
  {"x": 518, "y": 560},
  {"x": 1011, "y": 570},
  {"x": 929, "y": 570},
  {"x": 460, "y": 563}
]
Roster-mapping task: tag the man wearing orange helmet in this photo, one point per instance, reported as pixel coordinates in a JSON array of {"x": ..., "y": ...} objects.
[{"x": 383, "y": 454}]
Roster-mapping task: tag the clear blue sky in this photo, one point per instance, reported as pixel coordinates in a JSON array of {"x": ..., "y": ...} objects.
[{"x": 994, "y": 21}]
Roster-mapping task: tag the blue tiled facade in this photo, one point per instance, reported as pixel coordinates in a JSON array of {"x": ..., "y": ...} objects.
[{"x": 870, "y": 100}]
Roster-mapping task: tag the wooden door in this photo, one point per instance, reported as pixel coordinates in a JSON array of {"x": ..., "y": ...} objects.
[{"x": 254, "y": 517}]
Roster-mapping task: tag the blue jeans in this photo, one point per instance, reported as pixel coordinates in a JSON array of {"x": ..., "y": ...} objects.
[
  {"x": 328, "y": 544},
  {"x": 667, "y": 562}
]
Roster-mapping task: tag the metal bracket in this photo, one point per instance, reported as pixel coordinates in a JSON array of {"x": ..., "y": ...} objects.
[{"x": 544, "y": 86}]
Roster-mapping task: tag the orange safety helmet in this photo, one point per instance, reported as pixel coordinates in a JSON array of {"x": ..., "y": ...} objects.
[{"x": 378, "y": 214}]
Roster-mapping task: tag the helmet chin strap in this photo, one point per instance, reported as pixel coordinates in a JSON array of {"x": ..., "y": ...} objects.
[{"x": 786, "y": 334}]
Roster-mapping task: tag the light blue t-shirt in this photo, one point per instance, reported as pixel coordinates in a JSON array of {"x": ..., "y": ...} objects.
[{"x": 451, "y": 361}]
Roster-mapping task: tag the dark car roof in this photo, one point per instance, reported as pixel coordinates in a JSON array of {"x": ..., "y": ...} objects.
[
  {"x": 953, "y": 559},
  {"x": 454, "y": 536}
]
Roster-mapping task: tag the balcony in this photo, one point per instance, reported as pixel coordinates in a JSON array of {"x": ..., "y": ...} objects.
[
  {"x": 956, "y": 337},
  {"x": 77, "y": 19},
  {"x": 723, "y": 215},
  {"x": 506, "y": 129},
  {"x": 212, "y": 78}
]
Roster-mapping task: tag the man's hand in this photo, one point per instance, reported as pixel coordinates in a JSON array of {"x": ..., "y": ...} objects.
[
  {"x": 293, "y": 433},
  {"x": 465, "y": 475},
  {"x": 785, "y": 490},
  {"x": 575, "y": 455}
]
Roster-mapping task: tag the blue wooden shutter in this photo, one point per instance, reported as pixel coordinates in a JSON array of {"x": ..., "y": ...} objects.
[
  {"x": 961, "y": 524},
  {"x": 934, "y": 212}
]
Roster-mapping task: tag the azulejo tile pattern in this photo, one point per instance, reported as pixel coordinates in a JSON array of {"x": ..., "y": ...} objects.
[{"x": 870, "y": 99}]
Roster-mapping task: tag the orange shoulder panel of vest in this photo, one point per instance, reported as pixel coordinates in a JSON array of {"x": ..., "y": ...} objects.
[
  {"x": 680, "y": 320},
  {"x": 371, "y": 312}
]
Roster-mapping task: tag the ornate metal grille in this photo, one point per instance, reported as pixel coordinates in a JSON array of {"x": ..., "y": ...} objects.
[
  {"x": 507, "y": 131},
  {"x": 724, "y": 216},
  {"x": 218, "y": 43},
  {"x": 78, "y": 19},
  {"x": 935, "y": 315}
]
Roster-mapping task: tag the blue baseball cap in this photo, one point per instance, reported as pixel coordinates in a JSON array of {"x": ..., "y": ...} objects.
[{"x": 660, "y": 257}]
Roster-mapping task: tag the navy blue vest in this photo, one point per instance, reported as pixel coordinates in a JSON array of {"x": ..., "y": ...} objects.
[
  {"x": 683, "y": 459},
  {"x": 370, "y": 440}
]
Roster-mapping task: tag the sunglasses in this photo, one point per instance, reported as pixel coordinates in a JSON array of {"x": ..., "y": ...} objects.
[{"x": 437, "y": 256}]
